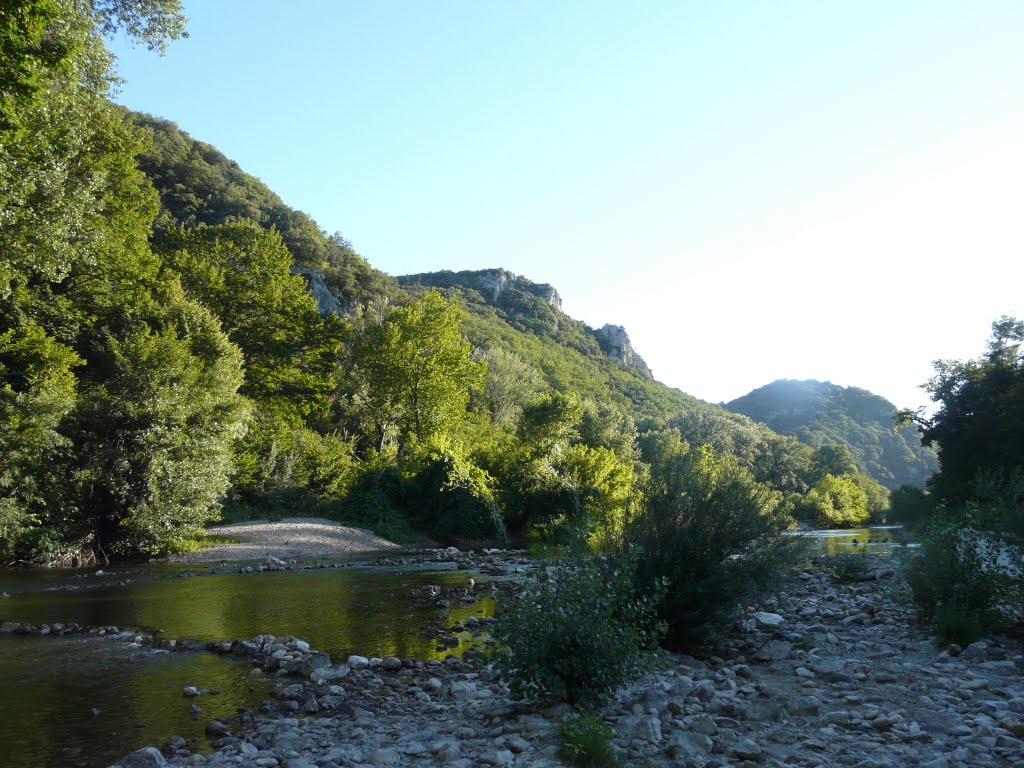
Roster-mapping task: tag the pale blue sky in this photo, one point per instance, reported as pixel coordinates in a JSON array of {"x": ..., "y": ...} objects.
[{"x": 755, "y": 190}]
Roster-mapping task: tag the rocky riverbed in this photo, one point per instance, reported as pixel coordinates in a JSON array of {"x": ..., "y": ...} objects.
[{"x": 826, "y": 674}]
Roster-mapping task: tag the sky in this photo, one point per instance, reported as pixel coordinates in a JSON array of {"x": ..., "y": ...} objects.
[{"x": 754, "y": 190}]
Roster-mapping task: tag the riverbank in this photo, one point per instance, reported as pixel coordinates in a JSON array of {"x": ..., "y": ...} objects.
[
  {"x": 825, "y": 674},
  {"x": 291, "y": 537}
]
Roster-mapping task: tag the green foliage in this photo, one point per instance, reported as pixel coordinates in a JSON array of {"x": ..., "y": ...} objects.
[
  {"x": 37, "y": 392},
  {"x": 577, "y": 631},
  {"x": 910, "y": 506},
  {"x": 980, "y": 419},
  {"x": 376, "y": 501},
  {"x": 586, "y": 742},
  {"x": 451, "y": 498},
  {"x": 835, "y": 502},
  {"x": 822, "y": 414},
  {"x": 965, "y": 567},
  {"x": 849, "y": 566},
  {"x": 955, "y": 626},
  {"x": 714, "y": 534},
  {"x": 509, "y": 385},
  {"x": 241, "y": 273},
  {"x": 413, "y": 374},
  {"x": 157, "y": 433}
]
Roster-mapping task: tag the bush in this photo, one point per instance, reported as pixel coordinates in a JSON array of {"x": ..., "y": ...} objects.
[
  {"x": 577, "y": 631},
  {"x": 451, "y": 499},
  {"x": 953, "y": 626},
  {"x": 715, "y": 536},
  {"x": 586, "y": 741},
  {"x": 965, "y": 569},
  {"x": 849, "y": 566}
]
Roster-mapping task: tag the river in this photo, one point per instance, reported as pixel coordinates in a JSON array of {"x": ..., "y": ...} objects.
[{"x": 52, "y": 687}]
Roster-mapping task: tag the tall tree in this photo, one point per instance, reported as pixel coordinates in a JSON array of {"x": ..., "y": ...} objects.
[
  {"x": 414, "y": 372},
  {"x": 979, "y": 426}
]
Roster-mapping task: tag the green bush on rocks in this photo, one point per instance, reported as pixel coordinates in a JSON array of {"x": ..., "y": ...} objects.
[{"x": 577, "y": 630}]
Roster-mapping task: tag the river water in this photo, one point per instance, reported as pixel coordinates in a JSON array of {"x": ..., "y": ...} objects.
[{"x": 49, "y": 686}]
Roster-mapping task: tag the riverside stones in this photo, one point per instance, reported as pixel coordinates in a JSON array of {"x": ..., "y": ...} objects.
[{"x": 876, "y": 696}]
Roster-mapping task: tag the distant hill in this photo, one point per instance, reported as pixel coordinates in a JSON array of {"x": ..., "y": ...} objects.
[{"x": 819, "y": 413}]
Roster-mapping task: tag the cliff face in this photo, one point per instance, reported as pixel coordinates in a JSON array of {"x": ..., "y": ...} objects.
[
  {"x": 615, "y": 343},
  {"x": 492, "y": 284},
  {"x": 326, "y": 302}
]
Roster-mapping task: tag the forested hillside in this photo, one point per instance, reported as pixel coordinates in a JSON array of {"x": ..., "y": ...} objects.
[
  {"x": 164, "y": 363},
  {"x": 820, "y": 413}
]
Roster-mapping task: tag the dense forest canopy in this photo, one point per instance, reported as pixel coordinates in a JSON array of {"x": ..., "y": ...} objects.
[
  {"x": 821, "y": 413},
  {"x": 162, "y": 362}
]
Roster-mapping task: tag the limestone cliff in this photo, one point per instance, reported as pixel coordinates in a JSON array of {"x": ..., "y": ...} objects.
[
  {"x": 615, "y": 343},
  {"x": 326, "y": 302}
]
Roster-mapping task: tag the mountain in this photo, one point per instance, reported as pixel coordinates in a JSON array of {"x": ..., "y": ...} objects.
[
  {"x": 819, "y": 413},
  {"x": 197, "y": 184}
]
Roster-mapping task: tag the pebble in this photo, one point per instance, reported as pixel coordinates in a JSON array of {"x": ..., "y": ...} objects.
[{"x": 843, "y": 677}]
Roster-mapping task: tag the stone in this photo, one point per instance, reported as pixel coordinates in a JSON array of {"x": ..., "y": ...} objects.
[
  {"x": 747, "y": 749},
  {"x": 147, "y": 757},
  {"x": 975, "y": 651},
  {"x": 804, "y": 706},
  {"x": 358, "y": 662},
  {"x": 189, "y": 691},
  {"x": 641, "y": 728},
  {"x": 391, "y": 664},
  {"x": 687, "y": 744},
  {"x": 774, "y": 650},
  {"x": 384, "y": 755},
  {"x": 768, "y": 621}
]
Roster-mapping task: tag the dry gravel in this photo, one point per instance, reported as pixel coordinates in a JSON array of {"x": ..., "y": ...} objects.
[{"x": 288, "y": 538}]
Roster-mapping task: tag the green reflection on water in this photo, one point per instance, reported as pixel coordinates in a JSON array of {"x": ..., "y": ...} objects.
[{"x": 48, "y": 685}]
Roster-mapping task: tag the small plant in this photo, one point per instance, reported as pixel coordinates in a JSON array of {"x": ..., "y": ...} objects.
[
  {"x": 577, "y": 631},
  {"x": 586, "y": 741},
  {"x": 849, "y": 566},
  {"x": 954, "y": 626}
]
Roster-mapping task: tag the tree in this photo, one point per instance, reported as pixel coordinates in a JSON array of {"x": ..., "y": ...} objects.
[
  {"x": 836, "y": 502},
  {"x": 241, "y": 272},
  {"x": 156, "y": 435},
  {"x": 712, "y": 532},
  {"x": 979, "y": 426},
  {"x": 413, "y": 373},
  {"x": 37, "y": 392}
]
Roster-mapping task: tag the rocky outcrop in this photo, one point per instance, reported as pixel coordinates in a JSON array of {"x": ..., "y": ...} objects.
[
  {"x": 326, "y": 302},
  {"x": 492, "y": 284},
  {"x": 615, "y": 343}
]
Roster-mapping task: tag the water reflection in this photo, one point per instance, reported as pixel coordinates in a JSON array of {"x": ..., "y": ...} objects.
[
  {"x": 879, "y": 539},
  {"x": 49, "y": 685}
]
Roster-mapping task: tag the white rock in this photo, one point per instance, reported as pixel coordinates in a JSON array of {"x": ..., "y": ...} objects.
[{"x": 768, "y": 621}]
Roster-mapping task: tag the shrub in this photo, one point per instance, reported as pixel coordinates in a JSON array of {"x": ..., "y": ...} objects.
[
  {"x": 450, "y": 497},
  {"x": 848, "y": 566},
  {"x": 715, "y": 536},
  {"x": 965, "y": 569},
  {"x": 577, "y": 630},
  {"x": 586, "y": 741},
  {"x": 954, "y": 626}
]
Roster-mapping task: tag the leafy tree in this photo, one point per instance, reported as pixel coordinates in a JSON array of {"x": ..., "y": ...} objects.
[
  {"x": 510, "y": 384},
  {"x": 980, "y": 420},
  {"x": 836, "y": 502},
  {"x": 833, "y": 459},
  {"x": 157, "y": 433},
  {"x": 413, "y": 373},
  {"x": 241, "y": 272},
  {"x": 37, "y": 392}
]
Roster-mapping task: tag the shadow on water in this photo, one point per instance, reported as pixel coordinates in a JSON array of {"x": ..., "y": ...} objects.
[{"x": 48, "y": 686}]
